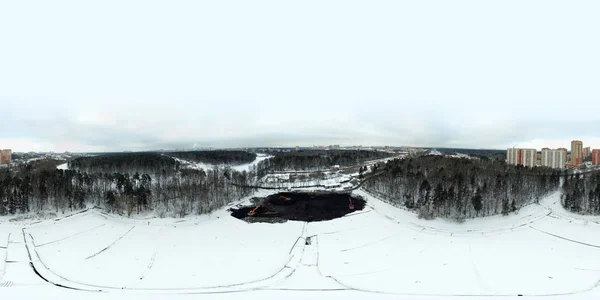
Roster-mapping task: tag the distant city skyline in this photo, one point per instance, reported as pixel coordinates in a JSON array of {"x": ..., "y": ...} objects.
[
  {"x": 468, "y": 74},
  {"x": 20, "y": 145}
]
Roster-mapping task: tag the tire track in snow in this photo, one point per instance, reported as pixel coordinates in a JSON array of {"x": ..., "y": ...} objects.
[
  {"x": 71, "y": 215},
  {"x": 3, "y": 270},
  {"x": 150, "y": 264},
  {"x": 564, "y": 238},
  {"x": 300, "y": 255},
  {"x": 107, "y": 247},
  {"x": 582, "y": 269},
  {"x": 369, "y": 244},
  {"x": 302, "y": 236},
  {"x": 7, "y": 242},
  {"x": 565, "y": 217},
  {"x": 35, "y": 270},
  {"x": 482, "y": 282},
  {"x": 235, "y": 287},
  {"x": 68, "y": 237},
  {"x": 339, "y": 231},
  {"x": 363, "y": 273}
]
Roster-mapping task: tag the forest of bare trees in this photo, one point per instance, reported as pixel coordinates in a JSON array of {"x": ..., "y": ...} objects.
[
  {"x": 581, "y": 193},
  {"x": 143, "y": 162},
  {"x": 458, "y": 188},
  {"x": 432, "y": 186},
  {"x": 168, "y": 191}
]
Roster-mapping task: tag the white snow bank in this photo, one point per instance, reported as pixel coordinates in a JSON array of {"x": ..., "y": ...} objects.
[
  {"x": 390, "y": 251},
  {"x": 104, "y": 252},
  {"x": 542, "y": 250}
]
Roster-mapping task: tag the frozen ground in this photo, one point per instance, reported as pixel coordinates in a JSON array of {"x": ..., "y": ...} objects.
[
  {"x": 240, "y": 168},
  {"x": 381, "y": 252}
]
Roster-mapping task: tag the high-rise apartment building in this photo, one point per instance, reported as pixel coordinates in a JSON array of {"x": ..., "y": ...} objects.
[
  {"x": 5, "y": 156},
  {"x": 553, "y": 158},
  {"x": 566, "y": 156},
  {"x": 512, "y": 155},
  {"x": 596, "y": 157},
  {"x": 518, "y": 156},
  {"x": 586, "y": 152},
  {"x": 529, "y": 158},
  {"x": 576, "y": 153}
]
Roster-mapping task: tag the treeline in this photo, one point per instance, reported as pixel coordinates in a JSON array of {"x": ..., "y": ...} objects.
[
  {"x": 216, "y": 157},
  {"x": 581, "y": 193},
  {"x": 458, "y": 188},
  {"x": 166, "y": 193},
  {"x": 312, "y": 160},
  {"x": 484, "y": 154},
  {"x": 142, "y": 162}
]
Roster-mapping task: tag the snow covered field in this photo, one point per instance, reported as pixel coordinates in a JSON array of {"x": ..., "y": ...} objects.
[
  {"x": 240, "y": 168},
  {"x": 381, "y": 252}
]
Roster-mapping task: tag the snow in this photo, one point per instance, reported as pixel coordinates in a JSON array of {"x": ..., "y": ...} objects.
[
  {"x": 295, "y": 180},
  {"x": 382, "y": 252},
  {"x": 93, "y": 255},
  {"x": 461, "y": 155},
  {"x": 240, "y": 168},
  {"x": 434, "y": 152},
  {"x": 64, "y": 166}
]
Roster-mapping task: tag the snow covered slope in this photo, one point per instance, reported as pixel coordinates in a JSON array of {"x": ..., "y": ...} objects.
[
  {"x": 240, "y": 168},
  {"x": 379, "y": 252}
]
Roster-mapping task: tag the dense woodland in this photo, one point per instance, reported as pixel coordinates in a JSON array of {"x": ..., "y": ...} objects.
[
  {"x": 458, "y": 188},
  {"x": 432, "y": 186},
  {"x": 216, "y": 157},
  {"x": 142, "y": 162},
  {"x": 168, "y": 192},
  {"x": 317, "y": 159},
  {"x": 485, "y": 154},
  {"x": 581, "y": 193}
]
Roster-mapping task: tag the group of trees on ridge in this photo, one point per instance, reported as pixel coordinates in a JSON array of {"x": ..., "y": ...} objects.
[
  {"x": 458, "y": 188},
  {"x": 152, "y": 162},
  {"x": 143, "y": 162},
  {"x": 168, "y": 191},
  {"x": 581, "y": 193},
  {"x": 125, "y": 183}
]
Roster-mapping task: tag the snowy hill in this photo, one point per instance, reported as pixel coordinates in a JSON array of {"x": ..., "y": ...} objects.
[
  {"x": 240, "y": 168},
  {"x": 379, "y": 252}
]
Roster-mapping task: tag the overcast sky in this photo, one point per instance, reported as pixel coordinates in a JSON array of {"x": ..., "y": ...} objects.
[{"x": 135, "y": 75}]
